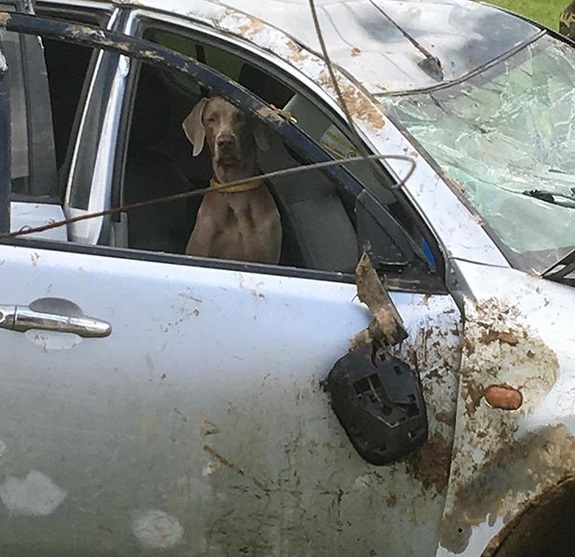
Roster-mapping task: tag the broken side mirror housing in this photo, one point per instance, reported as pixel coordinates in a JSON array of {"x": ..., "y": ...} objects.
[
  {"x": 379, "y": 404},
  {"x": 377, "y": 397}
]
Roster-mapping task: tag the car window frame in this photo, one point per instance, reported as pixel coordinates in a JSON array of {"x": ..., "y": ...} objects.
[
  {"x": 286, "y": 75},
  {"x": 5, "y": 153},
  {"x": 141, "y": 50},
  {"x": 93, "y": 13}
]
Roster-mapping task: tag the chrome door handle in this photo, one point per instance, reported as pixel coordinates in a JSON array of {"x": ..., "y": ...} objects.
[{"x": 52, "y": 314}]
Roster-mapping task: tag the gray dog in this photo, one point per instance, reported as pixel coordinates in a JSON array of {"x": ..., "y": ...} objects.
[{"x": 240, "y": 222}]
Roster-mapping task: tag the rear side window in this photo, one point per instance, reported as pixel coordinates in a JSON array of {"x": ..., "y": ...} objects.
[
  {"x": 67, "y": 65},
  {"x": 20, "y": 170},
  {"x": 46, "y": 79}
]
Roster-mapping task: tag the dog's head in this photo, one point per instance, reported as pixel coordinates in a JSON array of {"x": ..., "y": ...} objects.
[{"x": 231, "y": 134}]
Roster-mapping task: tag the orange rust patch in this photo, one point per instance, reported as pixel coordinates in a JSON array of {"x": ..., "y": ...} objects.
[
  {"x": 356, "y": 102},
  {"x": 505, "y": 337},
  {"x": 391, "y": 501},
  {"x": 504, "y": 397},
  {"x": 297, "y": 53},
  {"x": 253, "y": 26},
  {"x": 360, "y": 106}
]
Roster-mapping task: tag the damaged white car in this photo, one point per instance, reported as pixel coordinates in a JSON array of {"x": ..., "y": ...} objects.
[{"x": 402, "y": 383}]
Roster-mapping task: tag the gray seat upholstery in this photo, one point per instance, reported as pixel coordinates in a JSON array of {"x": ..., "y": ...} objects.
[{"x": 313, "y": 216}]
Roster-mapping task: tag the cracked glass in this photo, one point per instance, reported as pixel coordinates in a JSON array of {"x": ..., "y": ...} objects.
[{"x": 506, "y": 138}]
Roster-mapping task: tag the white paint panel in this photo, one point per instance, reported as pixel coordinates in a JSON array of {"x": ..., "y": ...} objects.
[{"x": 206, "y": 404}]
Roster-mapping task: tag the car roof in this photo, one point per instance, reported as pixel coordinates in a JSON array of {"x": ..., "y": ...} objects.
[
  {"x": 399, "y": 45},
  {"x": 386, "y": 45}
]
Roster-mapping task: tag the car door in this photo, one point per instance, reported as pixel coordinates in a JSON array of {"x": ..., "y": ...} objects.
[{"x": 153, "y": 402}]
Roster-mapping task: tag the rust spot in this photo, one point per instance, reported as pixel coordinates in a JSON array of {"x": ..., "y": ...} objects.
[
  {"x": 499, "y": 351},
  {"x": 252, "y": 26},
  {"x": 446, "y": 417},
  {"x": 504, "y": 397},
  {"x": 453, "y": 184},
  {"x": 505, "y": 337},
  {"x": 391, "y": 501},
  {"x": 474, "y": 395},
  {"x": 271, "y": 112},
  {"x": 430, "y": 464},
  {"x": 355, "y": 52},
  {"x": 357, "y": 103},
  {"x": 362, "y": 108},
  {"x": 297, "y": 53}
]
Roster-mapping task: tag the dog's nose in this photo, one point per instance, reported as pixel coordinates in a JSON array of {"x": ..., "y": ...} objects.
[{"x": 225, "y": 141}]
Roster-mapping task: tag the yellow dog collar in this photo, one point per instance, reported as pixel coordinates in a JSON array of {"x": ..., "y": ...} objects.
[{"x": 254, "y": 184}]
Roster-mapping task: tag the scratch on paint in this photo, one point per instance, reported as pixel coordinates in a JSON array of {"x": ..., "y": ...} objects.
[{"x": 234, "y": 467}]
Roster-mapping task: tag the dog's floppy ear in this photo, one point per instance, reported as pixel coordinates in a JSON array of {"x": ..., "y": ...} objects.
[
  {"x": 194, "y": 127},
  {"x": 261, "y": 135}
]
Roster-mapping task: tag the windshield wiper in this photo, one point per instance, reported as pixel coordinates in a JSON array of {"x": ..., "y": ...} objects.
[
  {"x": 553, "y": 197},
  {"x": 564, "y": 267},
  {"x": 566, "y": 264}
]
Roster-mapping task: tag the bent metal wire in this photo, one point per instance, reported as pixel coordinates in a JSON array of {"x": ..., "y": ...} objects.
[
  {"x": 177, "y": 197},
  {"x": 143, "y": 50}
]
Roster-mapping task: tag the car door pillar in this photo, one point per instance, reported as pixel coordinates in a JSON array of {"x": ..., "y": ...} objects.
[{"x": 5, "y": 188}]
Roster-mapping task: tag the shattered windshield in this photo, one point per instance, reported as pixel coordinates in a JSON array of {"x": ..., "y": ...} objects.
[{"x": 507, "y": 138}]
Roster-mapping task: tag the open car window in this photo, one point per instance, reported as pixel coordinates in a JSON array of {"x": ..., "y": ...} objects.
[
  {"x": 139, "y": 152},
  {"x": 317, "y": 123},
  {"x": 317, "y": 212},
  {"x": 278, "y": 90}
]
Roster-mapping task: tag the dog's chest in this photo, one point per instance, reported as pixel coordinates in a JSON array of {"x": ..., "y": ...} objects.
[
  {"x": 243, "y": 221},
  {"x": 247, "y": 227}
]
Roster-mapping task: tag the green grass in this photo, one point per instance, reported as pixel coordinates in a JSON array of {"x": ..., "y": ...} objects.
[{"x": 544, "y": 11}]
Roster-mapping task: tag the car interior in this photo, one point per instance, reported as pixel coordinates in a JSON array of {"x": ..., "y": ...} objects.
[
  {"x": 318, "y": 218},
  {"x": 318, "y": 225}
]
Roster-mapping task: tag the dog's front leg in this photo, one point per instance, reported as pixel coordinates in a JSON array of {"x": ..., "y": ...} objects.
[{"x": 205, "y": 232}]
